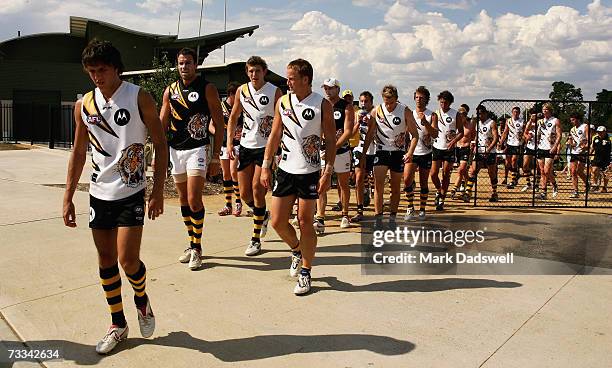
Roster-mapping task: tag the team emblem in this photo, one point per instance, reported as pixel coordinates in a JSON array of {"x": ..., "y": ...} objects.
[
  {"x": 193, "y": 96},
  {"x": 264, "y": 100},
  {"x": 265, "y": 126},
  {"x": 198, "y": 126},
  {"x": 400, "y": 140},
  {"x": 397, "y": 120},
  {"x": 310, "y": 149},
  {"x": 122, "y": 117},
  {"x": 131, "y": 165},
  {"x": 337, "y": 115},
  {"x": 308, "y": 114}
]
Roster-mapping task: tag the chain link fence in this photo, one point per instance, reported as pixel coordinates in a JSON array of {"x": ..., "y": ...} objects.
[{"x": 523, "y": 192}]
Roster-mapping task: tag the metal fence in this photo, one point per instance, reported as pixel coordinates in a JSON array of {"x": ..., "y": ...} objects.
[
  {"x": 37, "y": 124},
  {"x": 522, "y": 195}
]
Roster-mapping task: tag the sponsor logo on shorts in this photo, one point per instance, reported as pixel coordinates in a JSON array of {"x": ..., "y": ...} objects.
[
  {"x": 193, "y": 96},
  {"x": 275, "y": 185},
  {"x": 92, "y": 214},
  {"x": 139, "y": 210},
  {"x": 313, "y": 188}
]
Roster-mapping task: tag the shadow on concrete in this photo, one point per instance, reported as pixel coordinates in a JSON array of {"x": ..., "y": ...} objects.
[
  {"x": 236, "y": 350},
  {"x": 404, "y": 286}
]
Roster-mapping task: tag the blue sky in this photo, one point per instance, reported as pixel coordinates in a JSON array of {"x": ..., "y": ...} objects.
[{"x": 475, "y": 48}]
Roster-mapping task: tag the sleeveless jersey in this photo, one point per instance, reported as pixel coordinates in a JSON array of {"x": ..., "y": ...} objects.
[
  {"x": 339, "y": 117},
  {"x": 363, "y": 118},
  {"x": 189, "y": 115},
  {"x": 485, "y": 135},
  {"x": 424, "y": 143},
  {"x": 117, "y": 135},
  {"x": 258, "y": 111},
  {"x": 547, "y": 133},
  {"x": 227, "y": 110},
  {"x": 391, "y": 128},
  {"x": 301, "y": 140},
  {"x": 515, "y": 132},
  {"x": 530, "y": 143},
  {"x": 579, "y": 136},
  {"x": 447, "y": 128}
]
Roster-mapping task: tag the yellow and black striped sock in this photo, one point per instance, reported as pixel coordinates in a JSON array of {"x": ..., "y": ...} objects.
[
  {"x": 259, "y": 213},
  {"x": 237, "y": 192},
  {"x": 423, "y": 198},
  {"x": 111, "y": 283},
  {"x": 186, "y": 213},
  {"x": 227, "y": 190},
  {"x": 470, "y": 185},
  {"x": 410, "y": 195},
  {"x": 197, "y": 219},
  {"x": 139, "y": 282}
]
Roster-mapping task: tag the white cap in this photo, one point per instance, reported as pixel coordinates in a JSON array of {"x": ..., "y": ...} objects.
[
  {"x": 601, "y": 128},
  {"x": 331, "y": 82}
]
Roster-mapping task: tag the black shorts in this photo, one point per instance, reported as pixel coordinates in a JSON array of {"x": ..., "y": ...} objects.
[
  {"x": 358, "y": 155},
  {"x": 530, "y": 152},
  {"x": 462, "y": 153},
  {"x": 392, "y": 159},
  {"x": 248, "y": 156},
  {"x": 486, "y": 158},
  {"x": 444, "y": 155},
  {"x": 580, "y": 157},
  {"x": 303, "y": 185},
  {"x": 124, "y": 212},
  {"x": 603, "y": 165},
  {"x": 513, "y": 150},
  {"x": 542, "y": 154},
  {"x": 423, "y": 161}
]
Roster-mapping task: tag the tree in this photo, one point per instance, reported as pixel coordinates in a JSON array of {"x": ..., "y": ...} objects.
[
  {"x": 562, "y": 97},
  {"x": 601, "y": 111},
  {"x": 156, "y": 82}
]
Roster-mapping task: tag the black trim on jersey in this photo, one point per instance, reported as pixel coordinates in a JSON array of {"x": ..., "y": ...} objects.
[
  {"x": 96, "y": 144},
  {"x": 104, "y": 125},
  {"x": 251, "y": 100}
]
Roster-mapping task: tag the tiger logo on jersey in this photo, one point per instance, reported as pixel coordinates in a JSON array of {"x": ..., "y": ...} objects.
[
  {"x": 197, "y": 126},
  {"x": 310, "y": 148},
  {"x": 131, "y": 165},
  {"x": 265, "y": 126},
  {"x": 400, "y": 140}
]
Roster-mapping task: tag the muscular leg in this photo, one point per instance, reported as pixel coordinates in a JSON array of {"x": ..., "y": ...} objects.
[{"x": 380, "y": 173}]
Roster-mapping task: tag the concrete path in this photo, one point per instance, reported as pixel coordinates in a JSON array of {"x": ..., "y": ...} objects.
[{"x": 240, "y": 311}]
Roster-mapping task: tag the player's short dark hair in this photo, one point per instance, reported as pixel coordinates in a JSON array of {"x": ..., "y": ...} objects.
[
  {"x": 303, "y": 68},
  {"x": 447, "y": 96},
  {"x": 576, "y": 116},
  {"x": 367, "y": 94},
  {"x": 232, "y": 87},
  {"x": 256, "y": 60},
  {"x": 187, "y": 51},
  {"x": 466, "y": 107},
  {"x": 516, "y": 108},
  {"x": 480, "y": 109},
  {"x": 102, "y": 52},
  {"x": 424, "y": 91}
]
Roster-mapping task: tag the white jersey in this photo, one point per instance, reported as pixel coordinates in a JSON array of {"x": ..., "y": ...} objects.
[
  {"x": 391, "y": 128},
  {"x": 547, "y": 133},
  {"x": 301, "y": 140},
  {"x": 363, "y": 118},
  {"x": 447, "y": 128},
  {"x": 515, "y": 132},
  {"x": 424, "y": 143},
  {"x": 531, "y": 143},
  {"x": 258, "y": 112},
  {"x": 579, "y": 135},
  {"x": 117, "y": 136},
  {"x": 485, "y": 135}
]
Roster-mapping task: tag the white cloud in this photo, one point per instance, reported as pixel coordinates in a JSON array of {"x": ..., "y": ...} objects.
[
  {"x": 14, "y": 6},
  {"x": 456, "y": 5}
]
